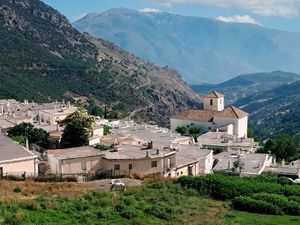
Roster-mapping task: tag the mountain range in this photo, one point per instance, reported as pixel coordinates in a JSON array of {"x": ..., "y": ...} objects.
[
  {"x": 42, "y": 58},
  {"x": 200, "y": 49},
  {"x": 245, "y": 85}
]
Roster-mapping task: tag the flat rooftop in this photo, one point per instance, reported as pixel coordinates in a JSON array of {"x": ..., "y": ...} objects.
[
  {"x": 160, "y": 136},
  {"x": 59, "y": 111},
  {"x": 132, "y": 152},
  {"x": 218, "y": 139},
  {"x": 71, "y": 153},
  {"x": 253, "y": 162}
]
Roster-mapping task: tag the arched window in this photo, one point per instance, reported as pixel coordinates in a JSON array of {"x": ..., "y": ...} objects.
[{"x": 211, "y": 102}]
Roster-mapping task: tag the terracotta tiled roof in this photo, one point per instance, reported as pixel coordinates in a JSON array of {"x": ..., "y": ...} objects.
[
  {"x": 232, "y": 112},
  {"x": 214, "y": 94},
  {"x": 196, "y": 115},
  {"x": 207, "y": 116}
]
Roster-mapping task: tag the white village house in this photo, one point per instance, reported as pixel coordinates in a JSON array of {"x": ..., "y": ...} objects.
[
  {"x": 14, "y": 158},
  {"x": 214, "y": 117}
]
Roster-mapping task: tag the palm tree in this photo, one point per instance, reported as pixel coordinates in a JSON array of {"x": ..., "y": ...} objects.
[{"x": 238, "y": 164}]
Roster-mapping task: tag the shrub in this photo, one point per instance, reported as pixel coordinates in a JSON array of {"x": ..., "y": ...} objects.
[
  {"x": 255, "y": 206},
  {"x": 225, "y": 187},
  {"x": 289, "y": 207},
  {"x": 160, "y": 212},
  {"x": 17, "y": 190}
]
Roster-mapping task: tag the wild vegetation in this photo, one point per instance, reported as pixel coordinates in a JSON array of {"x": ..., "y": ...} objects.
[
  {"x": 156, "y": 202},
  {"x": 285, "y": 147}
]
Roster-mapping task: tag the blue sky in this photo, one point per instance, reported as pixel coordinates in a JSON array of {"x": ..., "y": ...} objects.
[{"x": 277, "y": 14}]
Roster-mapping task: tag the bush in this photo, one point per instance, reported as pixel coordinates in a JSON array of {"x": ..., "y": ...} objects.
[
  {"x": 17, "y": 190},
  {"x": 225, "y": 187},
  {"x": 288, "y": 207},
  {"x": 160, "y": 212},
  {"x": 255, "y": 206}
]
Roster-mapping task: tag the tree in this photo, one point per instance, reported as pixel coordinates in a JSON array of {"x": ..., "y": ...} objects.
[
  {"x": 77, "y": 128},
  {"x": 194, "y": 132},
  {"x": 106, "y": 129},
  {"x": 181, "y": 130},
  {"x": 238, "y": 164},
  {"x": 34, "y": 135},
  {"x": 285, "y": 147},
  {"x": 20, "y": 139}
]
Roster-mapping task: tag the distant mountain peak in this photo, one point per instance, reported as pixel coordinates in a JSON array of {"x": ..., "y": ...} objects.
[{"x": 201, "y": 49}]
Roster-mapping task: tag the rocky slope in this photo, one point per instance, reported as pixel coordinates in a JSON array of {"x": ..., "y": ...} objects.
[{"x": 42, "y": 57}]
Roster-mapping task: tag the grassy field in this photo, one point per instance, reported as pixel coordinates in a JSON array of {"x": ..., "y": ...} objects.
[{"x": 152, "y": 203}]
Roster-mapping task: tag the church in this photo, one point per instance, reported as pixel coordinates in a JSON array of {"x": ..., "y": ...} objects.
[{"x": 214, "y": 117}]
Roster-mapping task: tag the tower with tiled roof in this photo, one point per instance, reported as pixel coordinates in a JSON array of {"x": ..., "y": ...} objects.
[{"x": 213, "y": 101}]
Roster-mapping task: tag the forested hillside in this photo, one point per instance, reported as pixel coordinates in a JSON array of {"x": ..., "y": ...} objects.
[
  {"x": 42, "y": 57},
  {"x": 274, "y": 112}
]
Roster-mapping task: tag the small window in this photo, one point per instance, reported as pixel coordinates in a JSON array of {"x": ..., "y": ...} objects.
[
  {"x": 154, "y": 164},
  {"x": 83, "y": 165},
  {"x": 177, "y": 174},
  {"x": 220, "y": 101},
  {"x": 211, "y": 102},
  {"x": 181, "y": 172},
  {"x": 130, "y": 167},
  {"x": 117, "y": 166}
]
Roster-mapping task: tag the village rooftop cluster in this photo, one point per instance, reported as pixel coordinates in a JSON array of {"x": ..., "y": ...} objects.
[{"x": 139, "y": 148}]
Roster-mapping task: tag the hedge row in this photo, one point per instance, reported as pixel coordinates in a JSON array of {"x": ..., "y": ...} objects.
[
  {"x": 287, "y": 206},
  {"x": 256, "y": 206},
  {"x": 225, "y": 187}
]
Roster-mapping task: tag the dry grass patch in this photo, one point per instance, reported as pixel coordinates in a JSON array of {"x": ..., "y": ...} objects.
[{"x": 31, "y": 189}]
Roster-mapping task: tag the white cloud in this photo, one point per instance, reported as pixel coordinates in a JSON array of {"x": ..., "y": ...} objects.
[
  {"x": 238, "y": 19},
  {"x": 280, "y": 8},
  {"x": 78, "y": 17},
  {"x": 149, "y": 10}
]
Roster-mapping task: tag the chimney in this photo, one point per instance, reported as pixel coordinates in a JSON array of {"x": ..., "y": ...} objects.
[
  {"x": 32, "y": 104},
  {"x": 117, "y": 147},
  {"x": 68, "y": 105},
  {"x": 150, "y": 145},
  {"x": 274, "y": 161},
  {"x": 283, "y": 162},
  {"x": 63, "y": 102},
  {"x": 27, "y": 144},
  {"x": 147, "y": 154},
  {"x": 171, "y": 145},
  {"x": 171, "y": 134},
  {"x": 259, "y": 165},
  {"x": 229, "y": 165},
  {"x": 238, "y": 152}
]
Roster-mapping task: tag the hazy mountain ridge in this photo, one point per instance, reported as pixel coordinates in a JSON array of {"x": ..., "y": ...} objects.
[
  {"x": 246, "y": 85},
  {"x": 42, "y": 57},
  {"x": 200, "y": 49}
]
